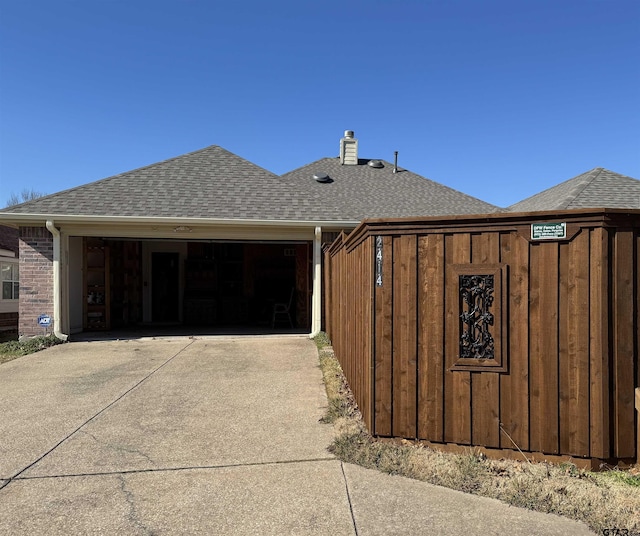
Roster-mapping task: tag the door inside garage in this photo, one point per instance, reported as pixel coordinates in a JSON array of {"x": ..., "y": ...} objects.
[{"x": 195, "y": 284}]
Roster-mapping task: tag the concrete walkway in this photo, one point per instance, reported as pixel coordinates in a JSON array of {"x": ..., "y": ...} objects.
[{"x": 204, "y": 436}]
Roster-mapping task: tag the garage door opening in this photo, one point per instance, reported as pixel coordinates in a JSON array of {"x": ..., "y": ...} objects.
[{"x": 193, "y": 286}]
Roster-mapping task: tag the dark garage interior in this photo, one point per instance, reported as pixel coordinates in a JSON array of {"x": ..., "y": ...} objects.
[{"x": 203, "y": 284}]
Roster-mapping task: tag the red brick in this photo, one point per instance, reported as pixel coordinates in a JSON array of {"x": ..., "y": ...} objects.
[{"x": 36, "y": 278}]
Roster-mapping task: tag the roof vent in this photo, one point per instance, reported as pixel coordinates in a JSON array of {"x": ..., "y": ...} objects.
[
  {"x": 349, "y": 149},
  {"x": 321, "y": 177},
  {"x": 375, "y": 164}
]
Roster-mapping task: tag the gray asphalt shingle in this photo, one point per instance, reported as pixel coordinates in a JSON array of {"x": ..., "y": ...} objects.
[
  {"x": 598, "y": 188},
  {"x": 361, "y": 191},
  {"x": 214, "y": 183}
]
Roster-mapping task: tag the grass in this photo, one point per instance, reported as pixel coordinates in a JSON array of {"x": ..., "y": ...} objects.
[
  {"x": 12, "y": 349},
  {"x": 604, "y": 500}
]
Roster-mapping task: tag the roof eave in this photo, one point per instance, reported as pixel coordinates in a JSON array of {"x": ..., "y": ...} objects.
[{"x": 18, "y": 219}]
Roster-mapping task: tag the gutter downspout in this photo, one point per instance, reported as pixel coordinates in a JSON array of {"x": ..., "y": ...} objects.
[
  {"x": 57, "y": 310},
  {"x": 316, "y": 303}
]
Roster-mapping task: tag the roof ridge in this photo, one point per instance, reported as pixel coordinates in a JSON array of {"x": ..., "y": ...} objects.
[
  {"x": 110, "y": 177},
  {"x": 581, "y": 185}
]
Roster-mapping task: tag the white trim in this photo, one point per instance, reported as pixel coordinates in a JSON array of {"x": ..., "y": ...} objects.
[
  {"x": 167, "y": 232},
  {"x": 316, "y": 299},
  {"x": 18, "y": 218},
  {"x": 57, "y": 309}
]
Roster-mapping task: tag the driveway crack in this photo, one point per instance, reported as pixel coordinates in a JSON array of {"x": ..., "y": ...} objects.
[
  {"x": 119, "y": 447},
  {"x": 112, "y": 403},
  {"x": 133, "y": 515}
]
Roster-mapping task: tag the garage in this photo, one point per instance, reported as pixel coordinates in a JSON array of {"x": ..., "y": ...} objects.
[{"x": 248, "y": 285}]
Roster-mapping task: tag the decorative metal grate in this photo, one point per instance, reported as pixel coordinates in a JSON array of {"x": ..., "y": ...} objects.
[{"x": 476, "y": 298}]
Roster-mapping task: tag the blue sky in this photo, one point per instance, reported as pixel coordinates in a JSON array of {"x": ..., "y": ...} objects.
[{"x": 499, "y": 99}]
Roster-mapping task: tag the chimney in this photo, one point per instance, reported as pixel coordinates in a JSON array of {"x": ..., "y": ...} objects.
[{"x": 349, "y": 149}]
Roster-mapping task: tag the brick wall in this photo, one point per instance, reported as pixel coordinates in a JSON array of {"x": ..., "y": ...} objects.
[{"x": 36, "y": 278}]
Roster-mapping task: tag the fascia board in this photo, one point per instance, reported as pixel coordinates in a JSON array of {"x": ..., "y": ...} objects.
[{"x": 26, "y": 219}]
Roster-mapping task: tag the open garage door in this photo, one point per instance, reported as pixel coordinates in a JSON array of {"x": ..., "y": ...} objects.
[{"x": 197, "y": 286}]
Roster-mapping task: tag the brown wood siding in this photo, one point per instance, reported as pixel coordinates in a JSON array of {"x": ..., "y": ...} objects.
[
  {"x": 599, "y": 345},
  {"x": 457, "y": 384},
  {"x": 485, "y": 386},
  {"x": 383, "y": 343},
  {"x": 574, "y": 345},
  {"x": 431, "y": 337},
  {"x": 568, "y": 345},
  {"x": 348, "y": 281},
  {"x": 625, "y": 319},
  {"x": 514, "y": 387},
  {"x": 405, "y": 369}
]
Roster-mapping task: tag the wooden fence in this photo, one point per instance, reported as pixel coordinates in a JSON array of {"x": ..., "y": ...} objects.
[{"x": 470, "y": 331}]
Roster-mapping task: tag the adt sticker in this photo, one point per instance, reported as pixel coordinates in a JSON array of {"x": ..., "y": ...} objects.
[{"x": 44, "y": 320}]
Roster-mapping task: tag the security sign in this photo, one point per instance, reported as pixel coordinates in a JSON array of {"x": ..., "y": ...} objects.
[{"x": 44, "y": 321}]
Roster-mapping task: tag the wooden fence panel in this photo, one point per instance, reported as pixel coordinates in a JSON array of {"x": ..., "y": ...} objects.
[
  {"x": 625, "y": 320},
  {"x": 366, "y": 352},
  {"x": 598, "y": 345},
  {"x": 405, "y": 372},
  {"x": 563, "y": 381},
  {"x": 431, "y": 270},
  {"x": 544, "y": 348},
  {"x": 637, "y": 330},
  {"x": 384, "y": 343},
  {"x": 457, "y": 384},
  {"x": 485, "y": 385},
  {"x": 574, "y": 345},
  {"x": 514, "y": 386}
]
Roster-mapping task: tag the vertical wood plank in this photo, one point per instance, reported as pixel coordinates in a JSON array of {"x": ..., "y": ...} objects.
[
  {"x": 637, "y": 330},
  {"x": 383, "y": 343},
  {"x": 457, "y": 389},
  {"x": 431, "y": 337},
  {"x": 367, "y": 291},
  {"x": 574, "y": 347},
  {"x": 514, "y": 386},
  {"x": 485, "y": 386},
  {"x": 564, "y": 356},
  {"x": 327, "y": 303},
  {"x": 404, "y": 337},
  {"x": 598, "y": 345},
  {"x": 623, "y": 346},
  {"x": 544, "y": 348}
]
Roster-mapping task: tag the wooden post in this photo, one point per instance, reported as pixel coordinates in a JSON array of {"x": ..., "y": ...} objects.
[{"x": 638, "y": 426}]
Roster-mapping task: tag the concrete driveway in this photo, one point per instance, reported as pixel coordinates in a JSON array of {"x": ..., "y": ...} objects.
[{"x": 203, "y": 436}]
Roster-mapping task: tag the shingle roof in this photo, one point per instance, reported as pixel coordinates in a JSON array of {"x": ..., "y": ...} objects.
[
  {"x": 598, "y": 188},
  {"x": 214, "y": 183},
  {"x": 361, "y": 191},
  {"x": 209, "y": 183}
]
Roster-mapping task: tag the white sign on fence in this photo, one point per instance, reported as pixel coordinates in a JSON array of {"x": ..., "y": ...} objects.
[{"x": 548, "y": 231}]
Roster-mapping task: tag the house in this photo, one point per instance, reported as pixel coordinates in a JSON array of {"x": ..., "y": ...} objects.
[
  {"x": 207, "y": 238},
  {"x": 9, "y": 279}
]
